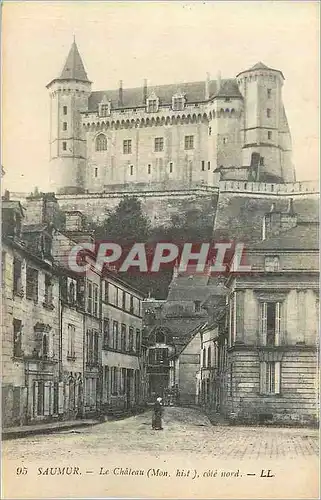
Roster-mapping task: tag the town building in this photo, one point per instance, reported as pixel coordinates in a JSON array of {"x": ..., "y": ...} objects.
[
  {"x": 123, "y": 363},
  {"x": 272, "y": 357},
  {"x": 60, "y": 359},
  {"x": 164, "y": 137},
  {"x": 30, "y": 320}
]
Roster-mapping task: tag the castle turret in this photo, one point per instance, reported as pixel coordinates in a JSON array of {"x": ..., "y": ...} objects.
[
  {"x": 264, "y": 126},
  {"x": 68, "y": 97}
]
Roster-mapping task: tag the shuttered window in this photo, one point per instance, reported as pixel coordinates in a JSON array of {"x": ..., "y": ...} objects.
[
  {"x": 270, "y": 377},
  {"x": 270, "y": 321}
]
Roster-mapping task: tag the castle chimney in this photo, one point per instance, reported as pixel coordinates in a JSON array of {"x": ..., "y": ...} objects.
[
  {"x": 219, "y": 82},
  {"x": 207, "y": 87},
  {"x": 120, "y": 95},
  {"x": 6, "y": 196},
  {"x": 145, "y": 91}
]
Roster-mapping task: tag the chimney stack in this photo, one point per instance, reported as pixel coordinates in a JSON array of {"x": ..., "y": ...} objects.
[
  {"x": 145, "y": 91},
  {"x": 207, "y": 87},
  {"x": 120, "y": 96},
  {"x": 276, "y": 222},
  {"x": 219, "y": 82}
]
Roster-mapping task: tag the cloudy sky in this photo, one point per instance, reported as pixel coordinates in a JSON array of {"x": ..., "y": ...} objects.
[{"x": 164, "y": 42}]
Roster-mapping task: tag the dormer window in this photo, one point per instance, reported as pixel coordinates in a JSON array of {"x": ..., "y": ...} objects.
[
  {"x": 104, "y": 108},
  {"x": 152, "y": 103},
  {"x": 178, "y": 102}
]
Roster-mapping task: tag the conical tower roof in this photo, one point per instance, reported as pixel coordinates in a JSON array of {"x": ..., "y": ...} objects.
[{"x": 74, "y": 68}]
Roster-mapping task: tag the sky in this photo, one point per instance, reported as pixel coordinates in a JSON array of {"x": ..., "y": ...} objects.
[{"x": 165, "y": 42}]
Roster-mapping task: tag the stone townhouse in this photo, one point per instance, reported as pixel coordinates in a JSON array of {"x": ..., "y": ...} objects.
[
  {"x": 213, "y": 345},
  {"x": 54, "y": 319},
  {"x": 30, "y": 320},
  {"x": 123, "y": 367},
  {"x": 272, "y": 358}
]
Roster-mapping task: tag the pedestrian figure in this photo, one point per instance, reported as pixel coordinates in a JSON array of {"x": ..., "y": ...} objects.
[{"x": 157, "y": 415}]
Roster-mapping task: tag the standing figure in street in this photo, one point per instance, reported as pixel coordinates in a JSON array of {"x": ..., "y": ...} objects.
[{"x": 157, "y": 415}]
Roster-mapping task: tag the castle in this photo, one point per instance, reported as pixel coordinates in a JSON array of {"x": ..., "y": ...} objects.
[{"x": 168, "y": 137}]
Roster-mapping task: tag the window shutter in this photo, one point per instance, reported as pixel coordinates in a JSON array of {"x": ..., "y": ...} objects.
[
  {"x": 277, "y": 377},
  {"x": 263, "y": 377},
  {"x": 35, "y": 398},
  {"x": 263, "y": 322},
  {"x": 51, "y": 398},
  {"x": 61, "y": 397},
  {"x": 67, "y": 396},
  {"x": 46, "y": 406},
  {"x": 277, "y": 322}
]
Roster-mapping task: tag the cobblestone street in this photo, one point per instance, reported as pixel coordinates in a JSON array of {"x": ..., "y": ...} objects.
[
  {"x": 185, "y": 430},
  {"x": 188, "y": 438}
]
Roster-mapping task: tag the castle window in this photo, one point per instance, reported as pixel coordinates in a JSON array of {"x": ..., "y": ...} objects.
[
  {"x": 197, "y": 305},
  {"x": 189, "y": 142},
  {"x": 96, "y": 172},
  {"x": 159, "y": 144},
  {"x": 203, "y": 165},
  {"x": 131, "y": 170},
  {"x": 178, "y": 103},
  {"x": 269, "y": 135},
  {"x": 227, "y": 99},
  {"x": 64, "y": 146},
  {"x": 101, "y": 142},
  {"x": 104, "y": 109},
  {"x": 268, "y": 113},
  {"x": 148, "y": 169},
  {"x": 269, "y": 92},
  {"x": 208, "y": 165},
  {"x": 209, "y": 130},
  {"x": 152, "y": 105},
  {"x": 170, "y": 167},
  {"x": 224, "y": 140},
  {"x": 64, "y": 110},
  {"x": 261, "y": 161},
  {"x": 127, "y": 146},
  {"x": 64, "y": 126}
]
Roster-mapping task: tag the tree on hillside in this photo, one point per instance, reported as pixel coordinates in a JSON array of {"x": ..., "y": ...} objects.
[{"x": 126, "y": 224}]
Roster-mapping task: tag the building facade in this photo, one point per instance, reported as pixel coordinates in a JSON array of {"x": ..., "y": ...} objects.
[
  {"x": 61, "y": 359},
  {"x": 272, "y": 357},
  {"x": 167, "y": 136},
  {"x": 123, "y": 357}
]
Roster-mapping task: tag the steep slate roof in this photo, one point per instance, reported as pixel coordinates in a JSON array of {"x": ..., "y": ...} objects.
[
  {"x": 194, "y": 93},
  {"x": 302, "y": 237},
  {"x": 240, "y": 218},
  {"x": 229, "y": 88},
  {"x": 74, "y": 68}
]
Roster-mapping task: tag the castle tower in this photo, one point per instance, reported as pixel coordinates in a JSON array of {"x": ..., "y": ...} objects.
[
  {"x": 68, "y": 97},
  {"x": 225, "y": 141},
  {"x": 264, "y": 126}
]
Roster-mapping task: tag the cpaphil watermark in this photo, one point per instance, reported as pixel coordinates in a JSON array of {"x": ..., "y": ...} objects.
[{"x": 149, "y": 258}]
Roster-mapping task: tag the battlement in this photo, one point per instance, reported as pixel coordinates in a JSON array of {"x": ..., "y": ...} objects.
[{"x": 264, "y": 188}]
